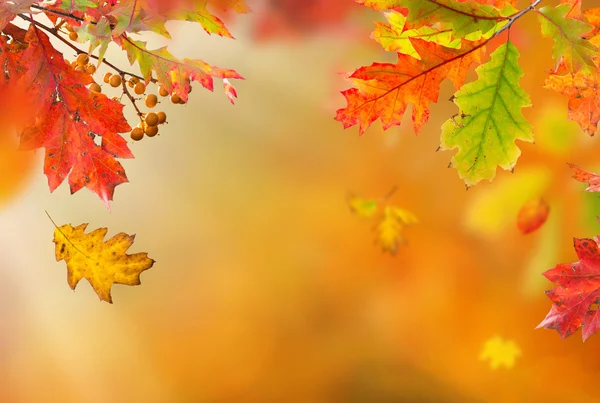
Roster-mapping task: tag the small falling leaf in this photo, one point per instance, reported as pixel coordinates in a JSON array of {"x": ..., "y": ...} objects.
[
  {"x": 500, "y": 352},
  {"x": 364, "y": 208},
  {"x": 532, "y": 215},
  {"x": 391, "y": 226},
  {"x": 101, "y": 263}
]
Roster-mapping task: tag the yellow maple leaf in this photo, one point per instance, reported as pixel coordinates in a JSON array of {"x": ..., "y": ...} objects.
[
  {"x": 365, "y": 208},
  {"x": 500, "y": 352},
  {"x": 101, "y": 263},
  {"x": 391, "y": 226}
]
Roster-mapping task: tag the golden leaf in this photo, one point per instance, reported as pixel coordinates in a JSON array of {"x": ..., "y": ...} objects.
[
  {"x": 391, "y": 226},
  {"x": 500, "y": 352},
  {"x": 101, "y": 263},
  {"x": 364, "y": 208}
]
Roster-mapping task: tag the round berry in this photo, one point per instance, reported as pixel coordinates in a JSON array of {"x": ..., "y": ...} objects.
[
  {"x": 90, "y": 68},
  {"x": 151, "y": 100},
  {"x": 151, "y": 131},
  {"x": 151, "y": 119},
  {"x": 107, "y": 77},
  {"x": 95, "y": 87},
  {"x": 176, "y": 99},
  {"x": 139, "y": 88},
  {"x": 115, "y": 80},
  {"x": 79, "y": 68},
  {"x": 137, "y": 134},
  {"x": 83, "y": 59},
  {"x": 73, "y": 36},
  {"x": 162, "y": 117},
  {"x": 69, "y": 28},
  {"x": 163, "y": 92}
]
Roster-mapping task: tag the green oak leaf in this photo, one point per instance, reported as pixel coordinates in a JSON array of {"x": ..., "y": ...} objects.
[
  {"x": 490, "y": 119},
  {"x": 570, "y": 48}
]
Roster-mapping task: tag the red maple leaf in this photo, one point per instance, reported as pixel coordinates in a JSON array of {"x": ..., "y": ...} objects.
[
  {"x": 575, "y": 300},
  {"x": 68, "y": 117}
]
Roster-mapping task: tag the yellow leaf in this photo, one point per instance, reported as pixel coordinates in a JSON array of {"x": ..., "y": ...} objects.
[
  {"x": 101, "y": 263},
  {"x": 500, "y": 352},
  {"x": 365, "y": 208},
  {"x": 391, "y": 226}
]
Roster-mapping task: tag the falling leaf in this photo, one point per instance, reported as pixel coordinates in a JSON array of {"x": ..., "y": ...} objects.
[
  {"x": 532, "y": 215},
  {"x": 365, "y": 208},
  {"x": 500, "y": 352},
  {"x": 102, "y": 263},
  {"x": 391, "y": 226}
]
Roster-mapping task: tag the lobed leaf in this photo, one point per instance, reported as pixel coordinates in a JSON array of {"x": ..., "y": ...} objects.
[
  {"x": 385, "y": 90},
  {"x": 102, "y": 263},
  {"x": 489, "y": 120}
]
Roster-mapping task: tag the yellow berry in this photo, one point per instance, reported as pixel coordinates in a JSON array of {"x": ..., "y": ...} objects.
[
  {"x": 176, "y": 99},
  {"x": 115, "y": 80},
  {"x": 151, "y": 100},
  {"x": 73, "y": 36},
  {"x": 162, "y": 117},
  {"x": 139, "y": 88},
  {"x": 107, "y": 77},
  {"x": 151, "y": 131},
  {"x": 163, "y": 92},
  {"x": 151, "y": 119},
  {"x": 79, "y": 68},
  {"x": 90, "y": 68},
  {"x": 83, "y": 59},
  {"x": 95, "y": 87},
  {"x": 137, "y": 134}
]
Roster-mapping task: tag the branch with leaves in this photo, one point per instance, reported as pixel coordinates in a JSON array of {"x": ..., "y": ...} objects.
[{"x": 66, "y": 112}]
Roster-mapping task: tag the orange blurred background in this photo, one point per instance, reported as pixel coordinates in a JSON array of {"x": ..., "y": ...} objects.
[{"x": 266, "y": 288}]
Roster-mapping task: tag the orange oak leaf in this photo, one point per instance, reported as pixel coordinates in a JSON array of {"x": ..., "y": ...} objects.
[
  {"x": 592, "y": 179},
  {"x": 385, "y": 90},
  {"x": 69, "y": 118},
  {"x": 532, "y": 215},
  {"x": 576, "y": 297},
  {"x": 102, "y": 263}
]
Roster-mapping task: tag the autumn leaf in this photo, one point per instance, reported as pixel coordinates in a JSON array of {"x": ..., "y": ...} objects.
[
  {"x": 592, "y": 179},
  {"x": 576, "y": 297},
  {"x": 10, "y": 9},
  {"x": 532, "y": 215},
  {"x": 69, "y": 116},
  {"x": 102, "y": 263},
  {"x": 489, "y": 120},
  {"x": 570, "y": 48},
  {"x": 391, "y": 226},
  {"x": 385, "y": 90},
  {"x": 462, "y": 18},
  {"x": 394, "y": 37},
  {"x": 500, "y": 352},
  {"x": 173, "y": 74},
  {"x": 362, "y": 207}
]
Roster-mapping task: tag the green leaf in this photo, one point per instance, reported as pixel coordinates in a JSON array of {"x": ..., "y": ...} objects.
[
  {"x": 77, "y": 5},
  {"x": 467, "y": 20},
  {"x": 490, "y": 119},
  {"x": 570, "y": 49}
]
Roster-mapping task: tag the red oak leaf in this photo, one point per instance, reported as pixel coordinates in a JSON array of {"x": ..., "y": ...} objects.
[
  {"x": 532, "y": 215},
  {"x": 592, "y": 179},
  {"x": 385, "y": 90},
  {"x": 68, "y": 117},
  {"x": 574, "y": 301}
]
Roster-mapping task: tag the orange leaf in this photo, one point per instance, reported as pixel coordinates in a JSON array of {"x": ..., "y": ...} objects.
[
  {"x": 385, "y": 90},
  {"x": 592, "y": 179},
  {"x": 532, "y": 215}
]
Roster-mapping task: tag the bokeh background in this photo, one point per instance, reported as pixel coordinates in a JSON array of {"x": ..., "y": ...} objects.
[{"x": 266, "y": 288}]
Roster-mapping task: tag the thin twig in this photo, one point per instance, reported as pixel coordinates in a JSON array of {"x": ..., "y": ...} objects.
[
  {"x": 59, "y": 13},
  {"x": 56, "y": 33},
  {"x": 131, "y": 98}
]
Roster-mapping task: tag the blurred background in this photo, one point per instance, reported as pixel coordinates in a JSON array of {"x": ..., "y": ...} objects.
[{"x": 266, "y": 288}]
